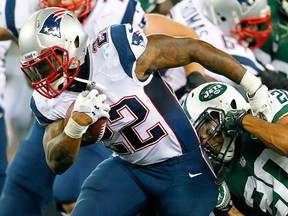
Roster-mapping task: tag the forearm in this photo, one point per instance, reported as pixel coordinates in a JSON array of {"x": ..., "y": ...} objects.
[
  {"x": 61, "y": 152},
  {"x": 164, "y": 52},
  {"x": 217, "y": 61},
  {"x": 274, "y": 136},
  {"x": 60, "y": 149}
]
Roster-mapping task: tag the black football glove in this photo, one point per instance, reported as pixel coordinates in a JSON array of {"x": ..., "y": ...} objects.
[
  {"x": 194, "y": 79},
  {"x": 274, "y": 79},
  {"x": 233, "y": 122}
]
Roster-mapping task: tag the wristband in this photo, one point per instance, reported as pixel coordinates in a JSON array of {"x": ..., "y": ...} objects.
[
  {"x": 74, "y": 130},
  {"x": 250, "y": 82}
]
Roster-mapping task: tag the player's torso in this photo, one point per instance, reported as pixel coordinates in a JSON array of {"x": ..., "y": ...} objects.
[
  {"x": 145, "y": 117},
  {"x": 109, "y": 12},
  {"x": 259, "y": 176}
]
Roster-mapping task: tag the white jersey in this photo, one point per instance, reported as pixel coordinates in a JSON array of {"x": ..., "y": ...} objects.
[
  {"x": 13, "y": 14},
  {"x": 4, "y": 46},
  {"x": 140, "y": 129},
  {"x": 109, "y": 12},
  {"x": 190, "y": 13}
]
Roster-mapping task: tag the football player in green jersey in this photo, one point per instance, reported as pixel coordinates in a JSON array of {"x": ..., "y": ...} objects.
[
  {"x": 157, "y": 6},
  {"x": 249, "y": 153}
]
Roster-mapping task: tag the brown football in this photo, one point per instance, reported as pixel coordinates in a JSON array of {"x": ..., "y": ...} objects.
[{"x": 94, "y": 132}]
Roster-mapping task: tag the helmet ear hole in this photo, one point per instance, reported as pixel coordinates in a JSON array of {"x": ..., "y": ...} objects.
[
  {"x": 76, "y": 42},
  {"x": 223, "y": 19},
  {"x": 233, "y": 104}
]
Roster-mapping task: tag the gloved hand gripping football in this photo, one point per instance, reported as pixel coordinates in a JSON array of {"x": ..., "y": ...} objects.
[{"x": 92, "y": 104}]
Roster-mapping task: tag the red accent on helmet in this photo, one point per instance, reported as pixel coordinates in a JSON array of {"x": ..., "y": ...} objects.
[
  {"x": 42, "y": 79},
  {"x": 80, "y": 7},
  {"x": 243, "y": 30}
]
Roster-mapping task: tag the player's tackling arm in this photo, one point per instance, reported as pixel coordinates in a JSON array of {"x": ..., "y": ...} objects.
[{"x": 273, "y": 135}]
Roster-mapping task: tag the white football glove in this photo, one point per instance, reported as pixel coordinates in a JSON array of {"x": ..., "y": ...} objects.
[
  {"x": 260, "y": 104},
  {"x": 92, "y": 104}
]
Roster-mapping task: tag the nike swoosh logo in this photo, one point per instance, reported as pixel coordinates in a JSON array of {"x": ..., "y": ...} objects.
[{"x": 194, "y": 175}]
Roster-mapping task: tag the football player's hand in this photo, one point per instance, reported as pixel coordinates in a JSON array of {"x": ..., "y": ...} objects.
[
  {"x": 92, "y": 104},
  {"x": 233, "y": 122},
  {"x": 193, "y": 80},
  {"x": 224, "y": 201},
  {"x": 260, "y": 104}
]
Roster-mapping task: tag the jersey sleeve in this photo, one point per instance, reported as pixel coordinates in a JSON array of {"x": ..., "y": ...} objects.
[
  {"x": 129, "y": 40},
  {"x": 47, "y": 110},
  {"x": 119, "y": 46}
]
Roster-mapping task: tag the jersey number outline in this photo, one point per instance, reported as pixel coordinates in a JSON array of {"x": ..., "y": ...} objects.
[
  {"x": 132, "y": 108},
  {"x": 267, "y": 183}
]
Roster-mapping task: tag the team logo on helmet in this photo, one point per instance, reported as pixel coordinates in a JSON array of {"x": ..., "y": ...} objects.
[
  {"x": 246, "y": 4},
  {"x": 212, "y": 91},
  {"x": 137, "y": 38},
  {"x": 51, "y": 25}
]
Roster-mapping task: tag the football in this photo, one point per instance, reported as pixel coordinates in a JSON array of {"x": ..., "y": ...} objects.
[{"x": 94, "y": 132}]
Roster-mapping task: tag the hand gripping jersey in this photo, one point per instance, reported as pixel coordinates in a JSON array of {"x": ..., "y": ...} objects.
[
  {"x": 258, "y": 178},
  {"x": 190, "y": 13},
  {"x": 147, "y": 125}
]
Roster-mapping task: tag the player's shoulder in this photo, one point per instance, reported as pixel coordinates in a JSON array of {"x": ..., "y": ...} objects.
[
  {"x": 279, "y": 102},
  {"x": 121, "y": 38}
]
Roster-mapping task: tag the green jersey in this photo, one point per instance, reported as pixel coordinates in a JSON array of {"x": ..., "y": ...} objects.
[
  {"x": 150, "y": 5},
  {"x": 258, "y": 177},
  {"x": 274, "y": 51}
]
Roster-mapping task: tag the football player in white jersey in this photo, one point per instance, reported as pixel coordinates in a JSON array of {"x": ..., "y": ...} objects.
[
  {"x": 35, "y": 184},
  {"x": 249, "y": 153},
  {"x": 151, "y": 137},
  {"x": 192, "y": 13},
  {"x": 104, "y": 13},
  {"x": 4, "y": 46}
]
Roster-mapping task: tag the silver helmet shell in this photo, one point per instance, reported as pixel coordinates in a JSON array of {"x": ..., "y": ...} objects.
[{"x": 46, "y": 33}]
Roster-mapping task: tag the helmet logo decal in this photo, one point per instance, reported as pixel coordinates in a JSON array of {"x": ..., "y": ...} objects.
[
  {"x": 212, "y": 91},
  {"x": 137, "y": 38},
  {"x": 51, "y": 25},
  {"x": 246, "y": 4}
]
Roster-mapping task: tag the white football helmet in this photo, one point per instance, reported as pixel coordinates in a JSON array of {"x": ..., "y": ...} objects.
[
  {"x": 248, "y": 20},
  {"x": 80, "y": 7},
  {"x": 53, "y": 45},
  {"x": 210, "y": 102}
]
